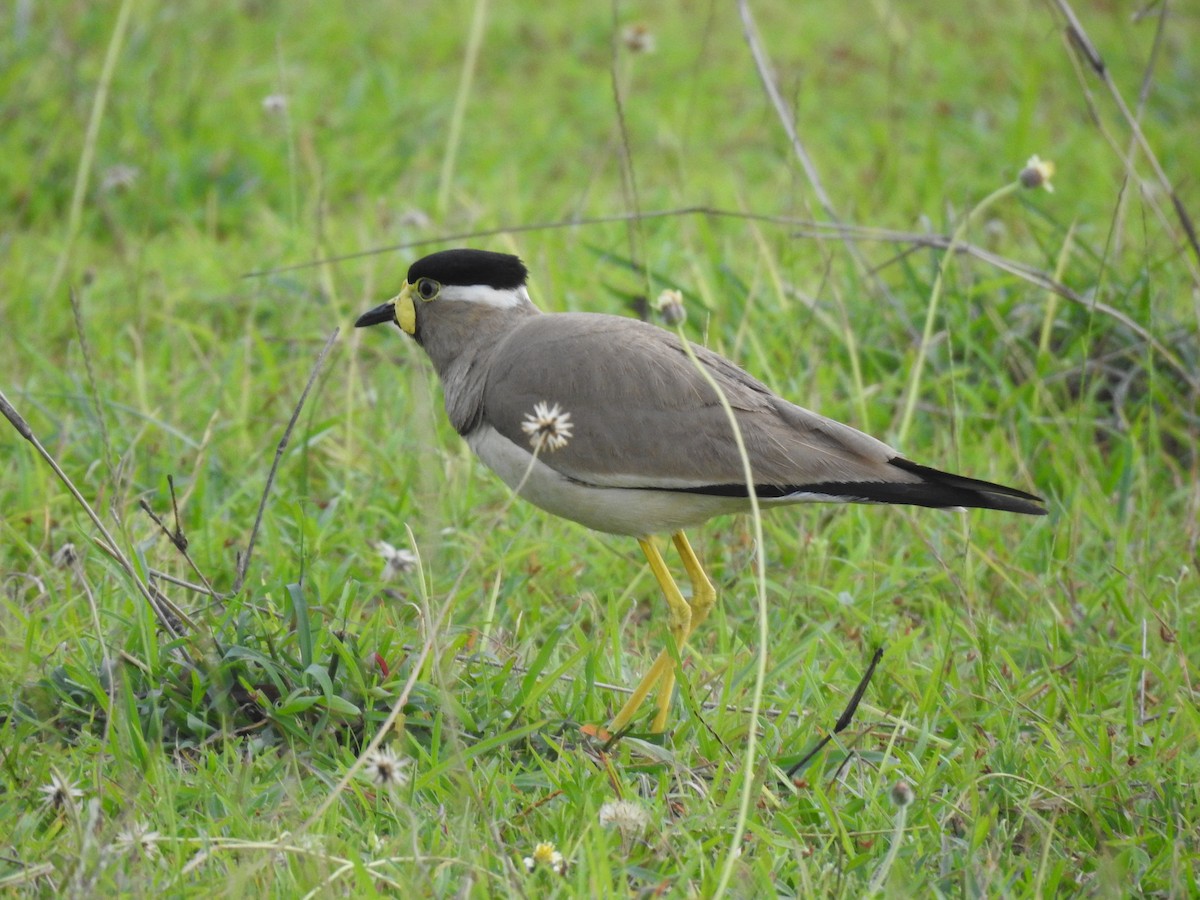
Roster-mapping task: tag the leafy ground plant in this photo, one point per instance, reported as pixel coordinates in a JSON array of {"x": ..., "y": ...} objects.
[{"x": 303, "y": 645}]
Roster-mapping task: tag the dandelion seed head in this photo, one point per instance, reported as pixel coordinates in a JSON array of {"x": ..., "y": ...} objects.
[
  {"x": 275, "y": 104},
  {"x": 627, "y": 816},
  {"x": 549, "y": 427},
  {"x": 60, "y": 792},
  {"x": 139, "y": 840},
  {"x": 396, "y": 561},
  {"x": 902, "y": 793},
  {"x": 120, "y": 177},
  {"x": 383, "y": 767},
  {"x": 639, "y": 38}
]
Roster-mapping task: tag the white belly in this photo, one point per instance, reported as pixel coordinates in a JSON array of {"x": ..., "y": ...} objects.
[{"x": 628, "y": 511}]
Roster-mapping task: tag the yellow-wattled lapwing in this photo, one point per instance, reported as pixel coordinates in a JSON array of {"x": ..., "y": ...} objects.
[{"x": 608, "y": 422}]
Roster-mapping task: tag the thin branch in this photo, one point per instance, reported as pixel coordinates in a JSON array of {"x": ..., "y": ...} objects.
[
  {"x": 812, "y": 228},
  {"x": 1078, "y": 38},
  {"x": 86, "y": 347},
  {"x": 762, "y": 63},
  {"x": 512, "y": 229},
  {"x": 160, "y": 575},
  {"x": 165, "y": 616},
  {"x": 469, "y": 659},
  {"x": 179, "y": 541},
  {"x": 845, "y": 718},
  {"x": 1045, "y": 282},
  {"x": 244, "y": 562}
]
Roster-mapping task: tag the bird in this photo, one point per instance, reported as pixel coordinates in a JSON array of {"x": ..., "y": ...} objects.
[{"x": 617, "y": 424}]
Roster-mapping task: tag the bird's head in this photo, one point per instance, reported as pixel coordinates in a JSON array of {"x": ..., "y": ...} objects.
[{"x": 452, "y": 290}]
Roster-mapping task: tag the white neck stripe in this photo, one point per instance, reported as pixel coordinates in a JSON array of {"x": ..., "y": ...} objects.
[{"x": 498, "y": 298}]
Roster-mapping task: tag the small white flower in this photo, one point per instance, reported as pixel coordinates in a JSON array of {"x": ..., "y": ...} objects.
[
  {"x": 545, "y": 854},
  {"x": 119, "y": 178},
  {"x": 670, "y": 306},
  {"x": 1037, "y": 173},
  {"x": 627, "y": 816},
  {"x": 414, "y": 218},
  {"x": 639, "y": 39},
  {"x": 65, "y": 556},
  {"x": 396, "y": 561},
  {"x": 60, "y": 792},
  {"x": 902, "y": 793},
  {"x": 548, "y": 427},
  {"x": 386, "y": 769},
  {"x": 313, "y": 843},
  {"x": 139, "y": 840},
  {"x": 275, "y": 104}
]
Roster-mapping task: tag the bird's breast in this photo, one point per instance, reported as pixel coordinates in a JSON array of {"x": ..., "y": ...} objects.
[{"x": 616, "y": 510}]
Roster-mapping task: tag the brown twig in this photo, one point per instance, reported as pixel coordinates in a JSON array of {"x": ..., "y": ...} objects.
[
  {"x": 86, "y": 347},
  {"x": 1043, "y": 281},
  {"x": 805, "y": 228},
  {"x": 814, "y": 228},
  {"x": 1140, "y": 108},
  {"x": 762, "y": 63},
  {"x": 179, "y": 540},
  {"x": 166, "y": 617},
  {"x": 244, "y": 561},
  {"x": 1078, "y": 38},
  {"x": 845, "y": 718}
]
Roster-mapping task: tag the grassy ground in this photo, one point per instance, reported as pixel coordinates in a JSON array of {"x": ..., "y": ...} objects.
[{"x": 1037, "y": 694}]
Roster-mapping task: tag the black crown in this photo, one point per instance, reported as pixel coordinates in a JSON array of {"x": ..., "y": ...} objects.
[{"x": 467, "y": 267}]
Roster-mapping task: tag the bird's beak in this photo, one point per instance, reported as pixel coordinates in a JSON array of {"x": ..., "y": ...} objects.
[{"x": 399, "y": 309}]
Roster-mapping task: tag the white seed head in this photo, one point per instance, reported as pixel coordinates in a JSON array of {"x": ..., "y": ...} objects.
[
  {"x": 627, "y": 816},
  {"x": 275, "y": 104},
  {"x": 120, "y": 177},
  {"x": 60, "y": 792},
  {"x": 385, "y": 768},
  {"x": 902, "y": 793},
  {"x": 639, "y": 39},
  {"x": 548, "y": 426},
  {"x": 138, "y": 839},
  {"x": 65, "y": 556},
  {"x": 396, "y": 561}
]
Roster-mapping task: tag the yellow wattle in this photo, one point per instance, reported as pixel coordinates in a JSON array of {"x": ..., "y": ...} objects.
[{"x": 406, "y": 313}]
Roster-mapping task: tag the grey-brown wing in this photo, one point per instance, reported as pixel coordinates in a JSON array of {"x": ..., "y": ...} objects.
[{"x": 642, "y": 415}]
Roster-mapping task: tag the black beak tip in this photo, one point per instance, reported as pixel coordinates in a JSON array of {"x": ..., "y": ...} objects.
[{"x": 384, "y": 312}]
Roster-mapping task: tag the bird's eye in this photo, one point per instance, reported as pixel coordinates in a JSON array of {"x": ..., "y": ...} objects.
[{"x": 427, "y": 288}]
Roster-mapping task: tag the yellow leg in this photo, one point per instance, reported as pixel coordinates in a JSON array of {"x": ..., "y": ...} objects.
[
  {"x": 685, "y": 618},
  {"x": 665, "y": 688},
  {"x": 664, "y": 665},
  {"x": 704, "y": 595}
]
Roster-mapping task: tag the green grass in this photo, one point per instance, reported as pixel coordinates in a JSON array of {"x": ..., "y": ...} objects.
[{"x": 1038, "y": 687}]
